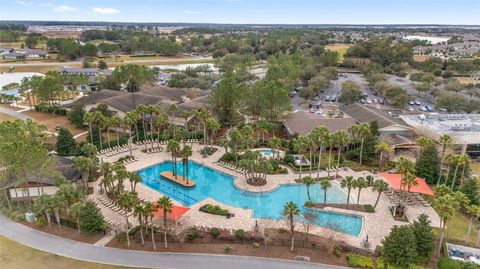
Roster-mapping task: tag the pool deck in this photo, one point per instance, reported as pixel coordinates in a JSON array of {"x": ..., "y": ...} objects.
[{"x": 376, "y": 225}]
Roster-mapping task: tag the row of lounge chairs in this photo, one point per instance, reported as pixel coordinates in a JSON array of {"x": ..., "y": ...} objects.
[
  {"x": 154, "y": 150},
  {"x": 331, "y": 169},
  {"x": 233, "y": 167},
  {"x": 132, "y": 159},
  {"x": 162, "y": 142},
  {"x": 420, "y": 199},
  {"x": 116, "y": 150},
  {"x": 112, "y": 206}
]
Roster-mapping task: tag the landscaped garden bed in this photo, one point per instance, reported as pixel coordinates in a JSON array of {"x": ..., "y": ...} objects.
[
  {"x": 66, "y": 232},
  {"x": 213, "y": 209},
  {"x": 360, "y": 208}
]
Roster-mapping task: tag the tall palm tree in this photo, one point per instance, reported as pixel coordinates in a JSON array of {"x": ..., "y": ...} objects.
[
  {"x": 107, "y": 123},
  {"x": 88, "y": 117},
  {"x": 322, "y": 136},
  {"x": 300, "y": 145},
  {"x": 308, "y": 181},
  {"x": 212, "y": 126},
  {"x": 330, "y": 142},
  {"x": 203, "y": 115},
  {"x": 116, "y": 123},
  {"x": 186, "y": 153},
  {"x": 161, "y": 121},
  {"x": 341, "y": 138},
  {"x": 173, "y": 146},
  {"x": 379, "y": 186},
  {"x": 349, "y": 183},
  {"x": 446, "y": 207},
  {"x": 423, "y": 142},
  {"x": 186, "y": 116},
  {"x": 129, "y": 120},
  {"x": 134, "y": 179},
  {"x": 291, "y": 212},
  {"x": 464, "y": 160},
  {"x": 142, "y": 110},
  {"x": 165, "y": 203},
  {"x": 149, "y": 209},
  {"x": 275, "y": 144},
  {"x": 99, "y": 119},
  {"x": 383, "y": 149},
  {"x": 450, "y": 158},
  {"x": 325, "y": 184},
  {"x": 312, "y": 145},
  {"x": 446, "y": 141},
  {"x": 363, "y": 132},
  {"x": 360, "y": 183},
  {"x": 85, "y": 165},
  {"x": 458, "y": 160},
  {"x": 139, "y": 211},
  {"x": 127, "y": 201},
  {"x": 74, "y": 211},
  {"x": 474, "y": 212}
]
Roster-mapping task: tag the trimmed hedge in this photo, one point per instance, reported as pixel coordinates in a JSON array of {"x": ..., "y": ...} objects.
[
  {"x": 355, "y": 260},
  {"x": 52, "y": 109},
  {"x": 213, "y": 209}
]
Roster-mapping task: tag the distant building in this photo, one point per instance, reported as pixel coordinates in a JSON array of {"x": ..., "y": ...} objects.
[
  {"x": 25, "y": 54},
  {"x": 463, "y": 128},
  {"x": 90, "y": 73},
  {"x": 302, "y": 123}
]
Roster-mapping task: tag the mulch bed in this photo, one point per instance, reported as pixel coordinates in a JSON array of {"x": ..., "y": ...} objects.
[
  {"x": 66, "y": 232},
  {"x": 256, "y": 181},
  {"x": 279, "y": 252}
]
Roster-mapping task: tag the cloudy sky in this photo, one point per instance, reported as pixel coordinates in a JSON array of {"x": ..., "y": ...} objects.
[{"x": 248, "y": 11}]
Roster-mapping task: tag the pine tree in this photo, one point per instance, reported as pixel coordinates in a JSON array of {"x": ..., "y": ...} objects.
[
  {"x": 424, "y": 237},
  {"x": 399, "y": 247},
  {"x": 427, "y": 166},
  {"x": 66, "y": 144}
]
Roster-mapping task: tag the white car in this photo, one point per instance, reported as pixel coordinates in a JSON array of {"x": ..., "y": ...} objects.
[
  {"x": 319, "y": 112},
  {"x": 369, "y": 101},
  {"x": 410, "y": 108}
]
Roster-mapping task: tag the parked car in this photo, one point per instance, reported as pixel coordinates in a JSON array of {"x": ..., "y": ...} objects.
[
  {"x": 327, "y": 98},
  {"x": 374, "y": 93},
  {"x": 315, "y": 98},
  {"x": 410, "y": 108},
  {"x": 411, "y": 103},
  {"x": 369, "y": 101},
  {"x": 417, "y": 103},
  {"x": 319, "y": 112},
  {"x": 334, "y": 98},
  {"x": 312, "y": 110},
  {"x": 429, "y": 108},
  {"x": 381, "y": 101},
  {"x": 362, "y": 101}
]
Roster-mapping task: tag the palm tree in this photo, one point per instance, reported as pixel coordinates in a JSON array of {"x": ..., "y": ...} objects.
[
  {"x": 450, "y": 158},
  {"x": 312, "y": 144},
  {"x": 186, "y": 153},
  {"x": 74, "y": 211},
  {"x": 116, "y": 122},
  {"x": 149, "y": 209},
  {"x": 166, "y": 204},
  {"x": 161, "y": 121},
  {"x": 308, "y": 181},
  {"x": 129, "y": 120},
  {"x": 407, "y": 169},
  {"x": 446, "y": 206},
  {"x": 134, "y": 179},
  {"x": 379, "y": 186},
  {"x": 291, "y": 212},
  {"x": 446, "y": 141},
  {"x": 212, "y": 126},
  {"x": 360, "y": 183},
  {"x": 363, "y": 131},
  {"x": 127, "y": 201},
  {"x": 171, "y": 110},
  {"x": 423, "y": 142},
  {"x": 382, "y": 148},
  {"x": 300, "y": 145},
  {"x": 325, "y": 184},
  {"x": 99, "y": 119},
  {"x": 141, "y": 110},
  {"x": 41, "y": 205},
  {"x": 341, "y": 139},
  {"x": 173, "y": 146},
  {"x": 203, "y": 115},
  {"x": 464, "y": 160},
  {"x": 107, "y": 123},
  {"x": 85, "y": 165},
  {"x": 139, "y": 211},
  {"x": 88, "y": 117},
  {"x": 275, "y": 144},
  {"x": 330, "y": 141},
  {"x": 349, "y": 183},
  {"x": 474, "y": 211},
  {"x": 457, "y": 159},
  {"x": 322, "y": 136}
]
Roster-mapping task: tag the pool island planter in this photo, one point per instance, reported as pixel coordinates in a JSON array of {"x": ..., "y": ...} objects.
[{"x": 179, "y": 180}]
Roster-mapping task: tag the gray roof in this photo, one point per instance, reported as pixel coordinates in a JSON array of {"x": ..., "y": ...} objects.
[
  {"x": 80, "y": 70},
  {"x": 365, "y": 114},
  {"x": 303, "y": 123},
  {"x": 96, "y": 97}
]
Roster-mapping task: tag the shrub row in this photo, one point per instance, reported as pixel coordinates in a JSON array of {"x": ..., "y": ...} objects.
[
  {"x": 213, "y": 209},
  {"x": 52, "y": 109}
]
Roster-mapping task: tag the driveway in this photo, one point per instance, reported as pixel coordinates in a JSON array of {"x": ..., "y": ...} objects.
[
  {"x": 15, "y": 114},
  {"x": 87, "y": 252}
]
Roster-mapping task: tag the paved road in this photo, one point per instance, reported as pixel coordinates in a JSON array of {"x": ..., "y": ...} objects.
[
  {"x": 87, "y": 252},
  {"x": 79, "y": 62},
  {"x": 14, "y": 113}
]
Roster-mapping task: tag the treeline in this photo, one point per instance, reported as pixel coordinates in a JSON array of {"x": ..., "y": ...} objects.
[
  {"x": 10, "y": 35},
  {"x": 13, "y": 26},
  {"x": 382, "y": 51}
]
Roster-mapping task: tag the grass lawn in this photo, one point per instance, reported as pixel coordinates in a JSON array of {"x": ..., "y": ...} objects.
[
  {"x": 51, "y": 121},
  {"x": 467, "y": 80},
  {"x": 31, "y": 68},
  {"x": 459, "y": 226},
  {"x": 16, "y": 256},
  {"x": 338, "y": 47}
]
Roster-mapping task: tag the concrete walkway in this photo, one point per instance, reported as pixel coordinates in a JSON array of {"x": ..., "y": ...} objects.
[
  {"x": 87, "y": 252},
  {"x": 15, "y": 114}
]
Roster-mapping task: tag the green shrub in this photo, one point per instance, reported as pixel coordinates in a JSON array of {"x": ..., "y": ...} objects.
[
  {"x": 381, "y": 265},
  {"x": 16, "y": 215},
  {"x": 308, "y": 204},
  {"x": 283, "y": 170},
  {"x": 213, "y": 209},
  {"x": 134, "y": 230},
  {"x": 40, "y": 222},
  {"x": 336, "y": 251},
  {"x": 228, "y": 157},
  {"x": 192, "y": 234},
  {"x": 355, "y": 260},
  {"x": 122, "y": 238},
  {"x": 240, "y": 234},
  {"x": 227, "y": 250},
  {"x": 447, "y": 263},
  {"x": 91, "y": 219},
  {"x": 369, "y": 208},
  {"x": 256, "y": 245},
  {"x": 215, "y": 232},
  {"x": 288, "y": 158}
]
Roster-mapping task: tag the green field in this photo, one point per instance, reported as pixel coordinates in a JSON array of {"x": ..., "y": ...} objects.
[{"x": 459, "y": 226}]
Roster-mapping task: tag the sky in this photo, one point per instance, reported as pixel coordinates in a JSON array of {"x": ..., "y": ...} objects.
[{"x": 248, "y": 11}]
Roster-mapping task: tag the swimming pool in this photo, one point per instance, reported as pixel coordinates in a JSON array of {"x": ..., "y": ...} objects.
[
  {"x": 219, "y": 186},
  {"x": 266, "y": 152}
]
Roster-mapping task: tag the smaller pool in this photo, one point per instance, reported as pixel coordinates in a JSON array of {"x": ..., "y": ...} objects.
[{"x": 266, "y": 152}]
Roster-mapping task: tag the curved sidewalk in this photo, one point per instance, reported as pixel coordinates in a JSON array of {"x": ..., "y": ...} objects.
[
  {"x": 14, "y": 113},
  {"x": 87, "y": 252}
]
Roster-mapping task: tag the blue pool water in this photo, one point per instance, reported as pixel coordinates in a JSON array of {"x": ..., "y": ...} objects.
[
  {"x": 266, "y": 152},
  {"x": 219, "y": 186}
]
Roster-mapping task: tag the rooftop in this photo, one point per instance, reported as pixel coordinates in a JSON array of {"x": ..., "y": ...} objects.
[{"x": 303, "y": 123}]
